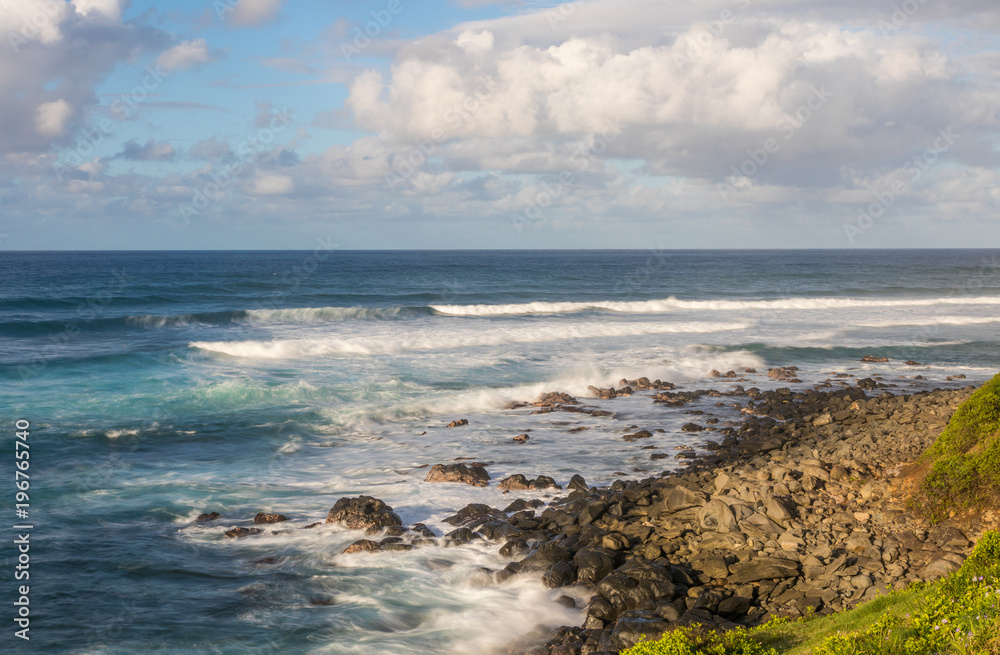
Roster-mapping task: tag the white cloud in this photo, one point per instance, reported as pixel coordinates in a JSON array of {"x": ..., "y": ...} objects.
[
  {"x": 273, "y": 185},
  {"x": 109, "y": 9},
  {"x": 51, "y": 117},
  {"x": 185, "y": 55},
  {"x": 249, "y": 13}
]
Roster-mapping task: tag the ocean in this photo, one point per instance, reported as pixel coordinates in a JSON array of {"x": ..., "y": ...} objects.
[{"x": 161, "y": 385}]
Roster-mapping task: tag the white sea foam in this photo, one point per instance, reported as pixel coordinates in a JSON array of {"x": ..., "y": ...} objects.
[
  {"x": 117, "y": 434},
  {"x": 674, "y": 304},
  {"x": 931, "y": 321},
  {"x": 383, "y": 345}
]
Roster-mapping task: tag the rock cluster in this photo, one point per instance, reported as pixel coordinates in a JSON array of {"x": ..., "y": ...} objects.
[{"x": 793, "y": 512}]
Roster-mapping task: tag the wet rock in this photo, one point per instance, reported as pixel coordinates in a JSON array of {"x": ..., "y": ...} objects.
[
  {"x": 783, "y": 373},
  {"x": 692, "y": 427},
  {"x": 473, "y": 475},
  {"x": 269, "y": 518},
  {"x": 544, "y": 556},
  {"x": 594, "y": 564},
  {"x": 603, "y": 394},
  {"x": 205, "y": 518},
  {"x": 474, "y": 515},
  {"x": 459, "y": 537},
  {"x": 363, "y": 513},
  {"x": 519, "y": 482},
  {"x": 555, "y": 398},
  {"x": 521, "y": 438},
  {"x": 559, "y": 574},
  {"x": 875, "y": 360},
  {"x": 237, "y": 533},
  {"x": 362, "y": 546},
  {"x": 458, "y": 423},
  {"x": 514, "y": 548},
  {"x": 577, "y": 483}
]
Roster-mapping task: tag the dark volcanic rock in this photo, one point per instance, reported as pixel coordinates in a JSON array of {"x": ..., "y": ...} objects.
[
  {"x": 474, "y": 475},
  {"x": 474, "y": 515},
  {"x": 205, "y": 518},
  {"x": 236, "y": 533},
  {"x": 555, "y": 398},
  {"x": 518, "y": 482},
  {"x": 458, "y": 423},
  {"x": 362, "y": 546},
  {"x": 363, "y": 513},
  {"x": 269, "y": 518}
]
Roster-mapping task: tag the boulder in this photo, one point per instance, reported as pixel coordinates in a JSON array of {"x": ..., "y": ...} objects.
[
  {"x": 681, "y": 498},
  {"x": 236, "y": 533},
  {"x": 458, "y": 423},
  {"x": 770, "y": 568},
  {"x": 205, "y": 518},
  {"x": 474, "y": 475},
  {"x": 519, "y": 482},
  {"x": 269, "y": 518},
  {"x": 363, "y": 513},
  {"x": 717, "y": 516},
  {"x": 631, "y": 628},
  {"x": 555, "y": 398},
  {"x": 759, "y": 526},
  {"x": 474, "y": 515},
  {"x": 362, "y": 546},
  {"x": 559, "y": 574}
]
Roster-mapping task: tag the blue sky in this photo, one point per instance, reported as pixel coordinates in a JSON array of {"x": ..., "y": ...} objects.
[{"x": 488, "y": 123}]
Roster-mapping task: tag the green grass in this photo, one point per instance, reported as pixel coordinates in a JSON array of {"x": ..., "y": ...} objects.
[
  {"x": 964, "y": 462},
  {"x": 957, "y": 615}
]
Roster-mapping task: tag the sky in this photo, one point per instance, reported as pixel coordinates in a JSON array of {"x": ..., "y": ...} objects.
[{"x": 389, "y": 124}]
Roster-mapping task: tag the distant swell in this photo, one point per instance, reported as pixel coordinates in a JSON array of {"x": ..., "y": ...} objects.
[
  {"x": 292, "y": 348},
  {"x": 674, "y": 304},
  {"x": 329, "y": 314}
]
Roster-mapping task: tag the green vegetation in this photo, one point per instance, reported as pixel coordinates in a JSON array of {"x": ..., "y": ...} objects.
[
  {"x": 957, "y": 615},
  {"x": 964, "y": 462}
]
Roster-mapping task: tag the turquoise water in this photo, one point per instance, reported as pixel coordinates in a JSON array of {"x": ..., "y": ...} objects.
[{"x": 163, "y": 385}]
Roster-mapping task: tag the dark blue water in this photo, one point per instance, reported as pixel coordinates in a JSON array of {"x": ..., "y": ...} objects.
[{"x": 161, "y": 385}]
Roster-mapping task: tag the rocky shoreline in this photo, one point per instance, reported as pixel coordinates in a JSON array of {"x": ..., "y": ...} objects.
[{"x": 795, "y": 510}]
